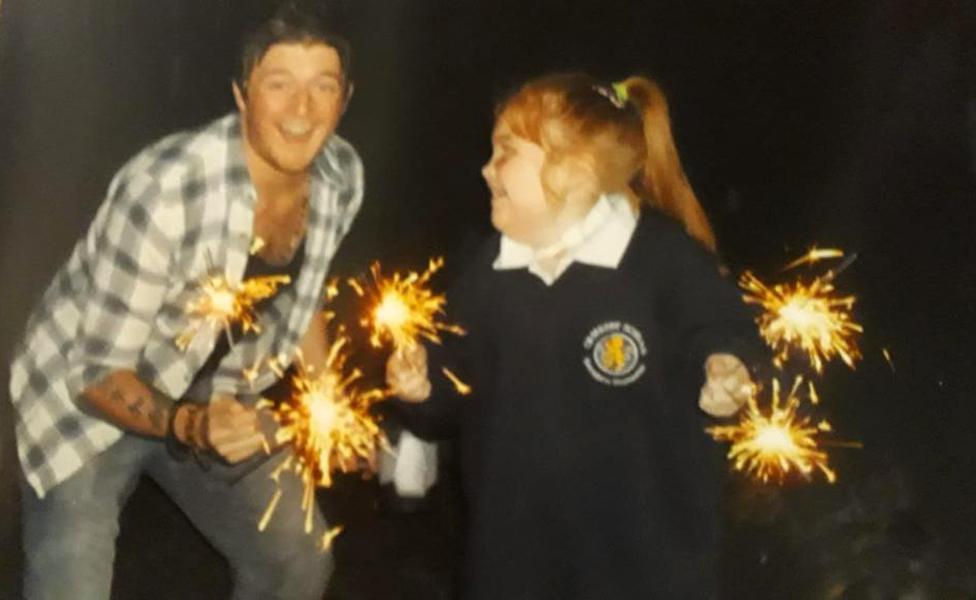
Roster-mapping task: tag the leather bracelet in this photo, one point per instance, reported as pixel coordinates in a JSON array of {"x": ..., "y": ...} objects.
[
  {"x": 200, "y": 448},
  {"x": 176, "y": 449},
  {"x": 179, "y": 451}
]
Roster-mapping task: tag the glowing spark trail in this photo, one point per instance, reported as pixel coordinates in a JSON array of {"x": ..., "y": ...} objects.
[
  {"x": 270, "y": 510},
  {"x": 331, "y": 289},
  {"x": 326, "y": 542},
  {"x": 328, "y": 424},
  {"x": 810, "y": 318},
  {"x": 771, "y": 446},
  {"x": 220, "y": 304},
  {"x": 257, "y": 244},
  {"x": 403, "y": 307},
  {"x": 812, "y": 394},
  {"x": 461, "y": 387},
  {"x": 887, "y": 357},
  {"x": 814, "y": 255}
]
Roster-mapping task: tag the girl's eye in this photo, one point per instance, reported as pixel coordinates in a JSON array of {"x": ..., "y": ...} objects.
[{"x": 327, "y": 87}]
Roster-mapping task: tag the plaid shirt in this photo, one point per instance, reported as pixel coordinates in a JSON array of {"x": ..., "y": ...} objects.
[{"x": 177, "y": 211}]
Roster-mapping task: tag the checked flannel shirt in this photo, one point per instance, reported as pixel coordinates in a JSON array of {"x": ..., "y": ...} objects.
[{"x": 179, "y": 210}]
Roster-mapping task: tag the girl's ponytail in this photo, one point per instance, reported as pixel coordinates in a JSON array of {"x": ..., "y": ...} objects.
[{"x": 662, "y": 178}]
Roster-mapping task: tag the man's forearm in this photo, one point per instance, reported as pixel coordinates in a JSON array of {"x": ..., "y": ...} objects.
[{"x": 122, "y": 399}]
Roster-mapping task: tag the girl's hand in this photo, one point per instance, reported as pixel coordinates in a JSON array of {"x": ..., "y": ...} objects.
[
  {"x": 727, "y": 386},
  {"x": 406, "y": 373}
]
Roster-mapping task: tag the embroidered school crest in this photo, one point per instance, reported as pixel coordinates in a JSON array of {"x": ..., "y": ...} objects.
[{"x": 615, "y": 353}]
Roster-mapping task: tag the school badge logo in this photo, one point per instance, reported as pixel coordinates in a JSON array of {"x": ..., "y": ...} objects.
[{"x": 614, "y": 353}]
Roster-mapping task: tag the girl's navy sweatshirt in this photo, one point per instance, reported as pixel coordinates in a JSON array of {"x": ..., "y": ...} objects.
[{"x": 586, "y": 468}]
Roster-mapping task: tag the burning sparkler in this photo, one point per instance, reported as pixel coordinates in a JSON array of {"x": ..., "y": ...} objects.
[
  {"x": 404, "y": 309},
  {"x": 807, "y": 317},
  {"x": 771, "y": 446},
  {"x": 220, "y": 304},
  {"x": 328, "y": 424}
]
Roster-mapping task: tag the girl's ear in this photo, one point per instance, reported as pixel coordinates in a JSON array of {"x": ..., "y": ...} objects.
[{"x": 570, "y": 180}]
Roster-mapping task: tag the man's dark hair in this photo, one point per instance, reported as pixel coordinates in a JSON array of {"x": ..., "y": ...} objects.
[{"x": 292, "y": 24}]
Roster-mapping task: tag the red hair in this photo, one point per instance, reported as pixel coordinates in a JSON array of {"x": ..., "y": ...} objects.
[{"x": 594, "y": 146}]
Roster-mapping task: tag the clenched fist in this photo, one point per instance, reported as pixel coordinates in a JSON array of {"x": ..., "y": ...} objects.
[
  {"x": 406, "y": 373},
  {"x": 727, "y": 385},
  {"x": 224, "y": 426}
]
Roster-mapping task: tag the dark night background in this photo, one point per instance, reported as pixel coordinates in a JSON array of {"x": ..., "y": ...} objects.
[{"x": 841, "y": 123}]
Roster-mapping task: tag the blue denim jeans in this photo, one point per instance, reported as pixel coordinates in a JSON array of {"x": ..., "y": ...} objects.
[{"x": 69, "y": 535}]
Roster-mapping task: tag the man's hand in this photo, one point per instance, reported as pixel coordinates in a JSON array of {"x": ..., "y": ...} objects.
[
  {"x": 406, "y": 373},
  {"x": 225, "y": 426},
  {"x": 727, "y": 385}
]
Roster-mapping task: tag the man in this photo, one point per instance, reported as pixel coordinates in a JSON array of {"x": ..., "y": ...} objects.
[{"x": 99, "y": 381}]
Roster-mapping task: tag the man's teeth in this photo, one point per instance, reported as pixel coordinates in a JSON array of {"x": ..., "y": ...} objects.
[{"x": 292, "y": 128}]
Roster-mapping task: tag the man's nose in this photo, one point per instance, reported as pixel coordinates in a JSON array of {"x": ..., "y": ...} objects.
[{"x": 303, "y": 102}]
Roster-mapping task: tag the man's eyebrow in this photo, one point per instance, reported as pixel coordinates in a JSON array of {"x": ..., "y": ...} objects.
[
  {"x": 330, "y": 73},
  {"x": 276, "y": 71},
  {"x": 282, "y": 71}
]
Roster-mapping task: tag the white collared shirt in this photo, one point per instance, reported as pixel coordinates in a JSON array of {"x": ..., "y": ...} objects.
[{"x": 599, "y": 239}]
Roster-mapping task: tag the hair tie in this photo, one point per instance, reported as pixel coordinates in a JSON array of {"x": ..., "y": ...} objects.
[{"x": 620, "y": 90}]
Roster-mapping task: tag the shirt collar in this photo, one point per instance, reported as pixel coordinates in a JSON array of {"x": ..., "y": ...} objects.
[{"x": 599, "y": 239}]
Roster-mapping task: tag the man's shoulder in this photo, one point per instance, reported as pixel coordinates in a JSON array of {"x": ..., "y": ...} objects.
[
  {"x": 340, "y": 163},
  {"x": 171, "y": 158}
]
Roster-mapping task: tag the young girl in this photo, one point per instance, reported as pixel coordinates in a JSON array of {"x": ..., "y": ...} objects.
[{"x": 586, "y": 469}]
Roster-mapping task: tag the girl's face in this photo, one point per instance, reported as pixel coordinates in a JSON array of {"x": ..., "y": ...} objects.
[{"x": 518, "y": 202}]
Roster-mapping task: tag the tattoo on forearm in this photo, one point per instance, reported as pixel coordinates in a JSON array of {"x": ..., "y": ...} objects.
[
  {"x": 135, "y": 410},
  {"x": 161, "y": 405},
  {"x": 150, "y": 407},
  {"x": 116, "y": 395}
]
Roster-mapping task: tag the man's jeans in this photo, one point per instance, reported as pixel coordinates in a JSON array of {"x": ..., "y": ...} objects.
[{"x": 69, "y": 535}]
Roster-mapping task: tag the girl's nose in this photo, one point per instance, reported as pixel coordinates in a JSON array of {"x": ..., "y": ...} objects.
[{"x": 486, "y": 171}]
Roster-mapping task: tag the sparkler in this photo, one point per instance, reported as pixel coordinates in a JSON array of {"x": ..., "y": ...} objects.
[
  {"x": 404, "y": 309},
  {"x": 328, "y": 424},
  {"x": 811, "y": 318},
  {"x": 772, "y": 446},
  {"x": 220, "y": 304}
]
